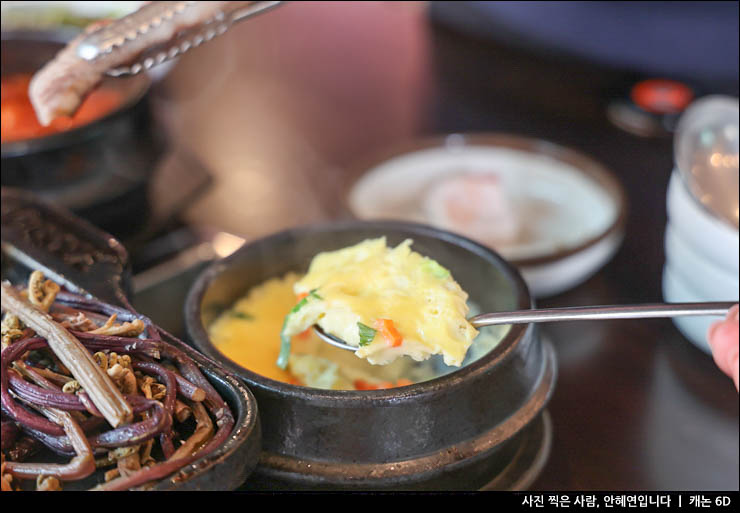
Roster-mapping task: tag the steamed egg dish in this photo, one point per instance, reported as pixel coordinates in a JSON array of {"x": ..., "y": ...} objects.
[
  {"x": 387, "y": 302},
  {"x": 396, "y": 306}
]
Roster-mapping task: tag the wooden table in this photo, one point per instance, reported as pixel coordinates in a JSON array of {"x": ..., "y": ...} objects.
[{"x": 282, "y": 108}]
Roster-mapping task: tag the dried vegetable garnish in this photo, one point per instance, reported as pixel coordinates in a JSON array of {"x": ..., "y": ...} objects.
[{"x": 97, "y": 383}]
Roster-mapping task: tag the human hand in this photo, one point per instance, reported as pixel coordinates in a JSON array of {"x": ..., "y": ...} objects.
[{"x": 723, "y": 339}]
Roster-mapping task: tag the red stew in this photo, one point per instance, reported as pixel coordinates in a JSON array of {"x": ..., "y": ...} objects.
[{"x": 19, "y": 119}]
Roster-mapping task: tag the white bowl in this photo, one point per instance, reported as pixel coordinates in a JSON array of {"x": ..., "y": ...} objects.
[
  {"x": 566, "y": 210},
  {"x": 550, "y": 278},
  {"x": 701, "y": 260},
  {"x": 714, "y": 239},
  {"x": 700, "y": 274}
]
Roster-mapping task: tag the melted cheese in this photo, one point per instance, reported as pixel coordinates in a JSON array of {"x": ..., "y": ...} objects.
[{"x": 362, "y": 284}]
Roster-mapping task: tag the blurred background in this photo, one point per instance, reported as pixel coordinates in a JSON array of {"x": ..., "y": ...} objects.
[
  {"x": 318, "y": 86},
  {"x": 283, "y": 110}
]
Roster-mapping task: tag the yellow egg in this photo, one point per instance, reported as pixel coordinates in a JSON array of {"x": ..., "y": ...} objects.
[
  {"x": 388, "y": 302},
  {"x": 249, "y": 334}
]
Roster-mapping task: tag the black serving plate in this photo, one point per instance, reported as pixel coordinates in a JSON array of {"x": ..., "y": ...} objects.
[{"x": 37, "y": 235}]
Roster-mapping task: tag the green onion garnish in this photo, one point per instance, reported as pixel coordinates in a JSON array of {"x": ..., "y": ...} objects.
[
  {"x": 282, "y": 360},
  {"x": 367, "y": 334},
  {"x": 435, "y": 269}
]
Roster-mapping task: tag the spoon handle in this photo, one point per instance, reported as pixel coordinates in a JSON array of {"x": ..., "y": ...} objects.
[{"x": 643, "y": 311}]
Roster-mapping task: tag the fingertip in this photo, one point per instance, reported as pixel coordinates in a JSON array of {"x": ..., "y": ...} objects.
[
  {"x": 734, "y": 313},
  {"x": 724, "y": 344},
  {"x": 712, "y": 333}
]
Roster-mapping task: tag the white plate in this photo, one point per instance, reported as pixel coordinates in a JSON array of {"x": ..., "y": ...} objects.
[{"x": 561, "y": 214}]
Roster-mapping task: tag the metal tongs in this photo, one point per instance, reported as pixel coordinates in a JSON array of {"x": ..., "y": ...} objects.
[{"x": 152, "y": 15}]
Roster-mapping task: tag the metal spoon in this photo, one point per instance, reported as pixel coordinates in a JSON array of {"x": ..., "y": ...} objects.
[{"x": 578, "y": 313}]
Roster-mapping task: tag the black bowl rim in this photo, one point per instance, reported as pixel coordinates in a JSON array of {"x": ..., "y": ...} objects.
[
  {"x": 246, "y": 424},
  {"x": 199, "y": 335},
  {"x": 80, "y": 133}
]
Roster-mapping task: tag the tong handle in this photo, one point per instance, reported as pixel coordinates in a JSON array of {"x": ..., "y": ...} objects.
[
  {"x": 137, "y": 24},
  {"x": 128, "y": 28}
]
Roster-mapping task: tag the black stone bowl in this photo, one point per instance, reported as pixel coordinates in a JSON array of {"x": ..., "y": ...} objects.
[
  {"x": 100, "y": 170},
  {"x": 453, "y": 432},
  {"x": 39, "y": 236}
]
